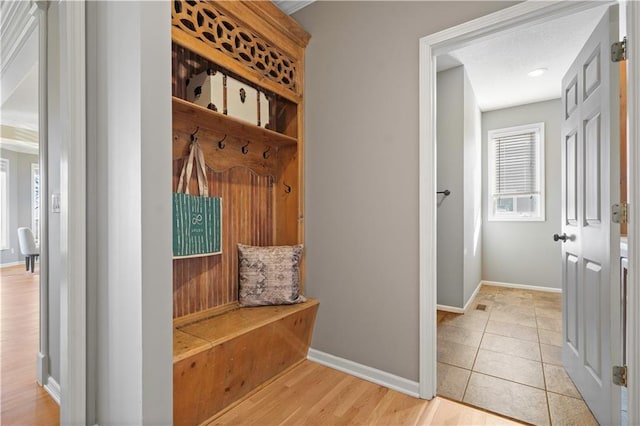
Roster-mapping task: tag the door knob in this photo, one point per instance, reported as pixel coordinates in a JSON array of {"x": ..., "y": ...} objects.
[{"x": 562, "y": 237}]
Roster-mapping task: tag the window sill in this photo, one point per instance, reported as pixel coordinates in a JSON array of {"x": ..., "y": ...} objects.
[{"x": 516, "y": 219}]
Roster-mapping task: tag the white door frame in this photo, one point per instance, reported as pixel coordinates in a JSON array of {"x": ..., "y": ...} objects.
[
  {"x": 73, "y": 235},
  {"x": 42, "y": 364},
  {"x": 524, "y": 14},
  {"x": 633, "y": 157}
]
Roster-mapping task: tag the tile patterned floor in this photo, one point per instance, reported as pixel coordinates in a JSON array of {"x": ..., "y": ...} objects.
[{"x": 508, "y": 358}]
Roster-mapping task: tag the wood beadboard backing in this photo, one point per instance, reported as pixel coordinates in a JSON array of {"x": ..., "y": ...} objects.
[
  {"x": 185, "y": 64},
  {"x": 257, "y": 171},
  {"x": 247, "y": 217}
]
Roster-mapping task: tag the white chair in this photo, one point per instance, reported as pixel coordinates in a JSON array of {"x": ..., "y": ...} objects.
[{"x": 28, "y": 247}]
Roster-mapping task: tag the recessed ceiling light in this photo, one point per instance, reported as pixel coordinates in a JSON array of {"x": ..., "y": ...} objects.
[{"x": 537, "y": 72}]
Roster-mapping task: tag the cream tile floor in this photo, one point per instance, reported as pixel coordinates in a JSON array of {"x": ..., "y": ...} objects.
[{"x": 508, "y": 358}]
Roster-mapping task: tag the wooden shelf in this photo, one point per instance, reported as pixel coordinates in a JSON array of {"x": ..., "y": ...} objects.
[{"x": 217, "y": 122}]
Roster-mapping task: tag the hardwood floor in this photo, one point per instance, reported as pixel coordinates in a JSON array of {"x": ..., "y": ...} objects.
[
  {"x": 311, "y": 394},
  {"x": 23, "y": 402}
]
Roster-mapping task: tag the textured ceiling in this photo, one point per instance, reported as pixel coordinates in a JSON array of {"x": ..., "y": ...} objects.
[{"x": 498, "y": 67}]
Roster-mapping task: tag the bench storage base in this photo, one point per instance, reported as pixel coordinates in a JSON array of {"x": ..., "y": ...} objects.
[{"x": 219, "y": 360}]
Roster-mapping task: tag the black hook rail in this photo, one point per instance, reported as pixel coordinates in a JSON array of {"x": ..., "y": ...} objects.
[
  {"x": 221, "y": 143},
  {"x": 193, "y": 135}
]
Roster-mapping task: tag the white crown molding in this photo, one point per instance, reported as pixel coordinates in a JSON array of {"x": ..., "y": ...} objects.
[
  {"x": 292, "y": 6},
  {"x": 17, "y": 22}
]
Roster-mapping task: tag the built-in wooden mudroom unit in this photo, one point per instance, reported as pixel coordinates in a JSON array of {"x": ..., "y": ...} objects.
[{"x": 222, "y": 352}]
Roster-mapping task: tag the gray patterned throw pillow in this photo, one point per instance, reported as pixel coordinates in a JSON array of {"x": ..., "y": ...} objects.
[{"x": 269, "y": 275}]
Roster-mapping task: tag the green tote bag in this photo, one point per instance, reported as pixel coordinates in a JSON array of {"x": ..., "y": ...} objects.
[{"x": 197, "y": 219}]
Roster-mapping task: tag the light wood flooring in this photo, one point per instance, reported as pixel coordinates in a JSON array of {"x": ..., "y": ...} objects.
[
  {"x": 22, "y": 401},
  {"x": 308, "y": 394},
  {"x": 311, "y": 394},
  {"x": 507, "y": 358}
]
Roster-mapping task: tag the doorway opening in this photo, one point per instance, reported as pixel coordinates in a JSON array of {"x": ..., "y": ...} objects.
[
  {"x": 500, "y": 242},
  {"x": 29, "y": 394}
]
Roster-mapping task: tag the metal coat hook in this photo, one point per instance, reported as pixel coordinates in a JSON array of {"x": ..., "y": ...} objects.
[
  {"x": 245, "y": 149},
  {"x": 287, "y": 188},
  {"x": 265, "y": 154},
  {"x": 446, "y": 192},
  {"x": 221, "y": 144}
]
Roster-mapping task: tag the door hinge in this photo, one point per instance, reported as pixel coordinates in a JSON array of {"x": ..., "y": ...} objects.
[
  {"x": 619, "y": 51},
  {"x": 619, "y": 213},
  {"x": 620, "y": 375}
]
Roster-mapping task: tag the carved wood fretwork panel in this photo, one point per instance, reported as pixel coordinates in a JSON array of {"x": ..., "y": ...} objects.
[{"x": 206, "y": 23}]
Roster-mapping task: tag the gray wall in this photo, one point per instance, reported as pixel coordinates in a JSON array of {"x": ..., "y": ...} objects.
[
  {"x": 361, "y": 155},
  {"x": 450, "y": 161},
  {"x": 524, "y": 252},
  {"x": 19, "y": 201},
  {"x": 459, "y": 170}
]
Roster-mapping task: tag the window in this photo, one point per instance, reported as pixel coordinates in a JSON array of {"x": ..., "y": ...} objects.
[
  {"x": 516, "y": 173},
  {"x": 4, "y": 204}
]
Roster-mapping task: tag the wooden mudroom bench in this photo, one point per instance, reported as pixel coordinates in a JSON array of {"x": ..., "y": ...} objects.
[
  {"x": 219, "y": 360},
  {"x": 237, "y": 86}
]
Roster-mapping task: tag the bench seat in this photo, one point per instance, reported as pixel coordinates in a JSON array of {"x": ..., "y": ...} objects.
[{"x": 219, "y": 360}]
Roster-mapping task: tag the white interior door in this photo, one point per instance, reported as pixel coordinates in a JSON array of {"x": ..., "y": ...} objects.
[{"x": 591, "y": 246}]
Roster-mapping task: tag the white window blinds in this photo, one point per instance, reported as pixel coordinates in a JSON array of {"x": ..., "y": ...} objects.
[{"x": 516, "y": 168}]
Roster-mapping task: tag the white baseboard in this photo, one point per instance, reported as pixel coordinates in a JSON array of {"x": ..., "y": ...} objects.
[
  {"x": 473, "y": 296},
  {"x": 6, "y": 265},
  {"x": 455, "y": 309},
  {"x": 53, "y": 388},
  {"x": 523, "y": 286},
  {"x": 42, "y": 368},
  {"x": 370, "y": 374}
]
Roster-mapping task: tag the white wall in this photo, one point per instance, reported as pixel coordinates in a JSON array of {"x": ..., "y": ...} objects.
[
  {"x": 19, "y": 58},
  {"x": 459, "y": 170},
  {"x": 472, "y": 209},
  {"x": 130, "y": 364},
  {"x": 524, "y": 252},
  {"x": 361, "y": 154},
  {"x": 19, "y": 201}
]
